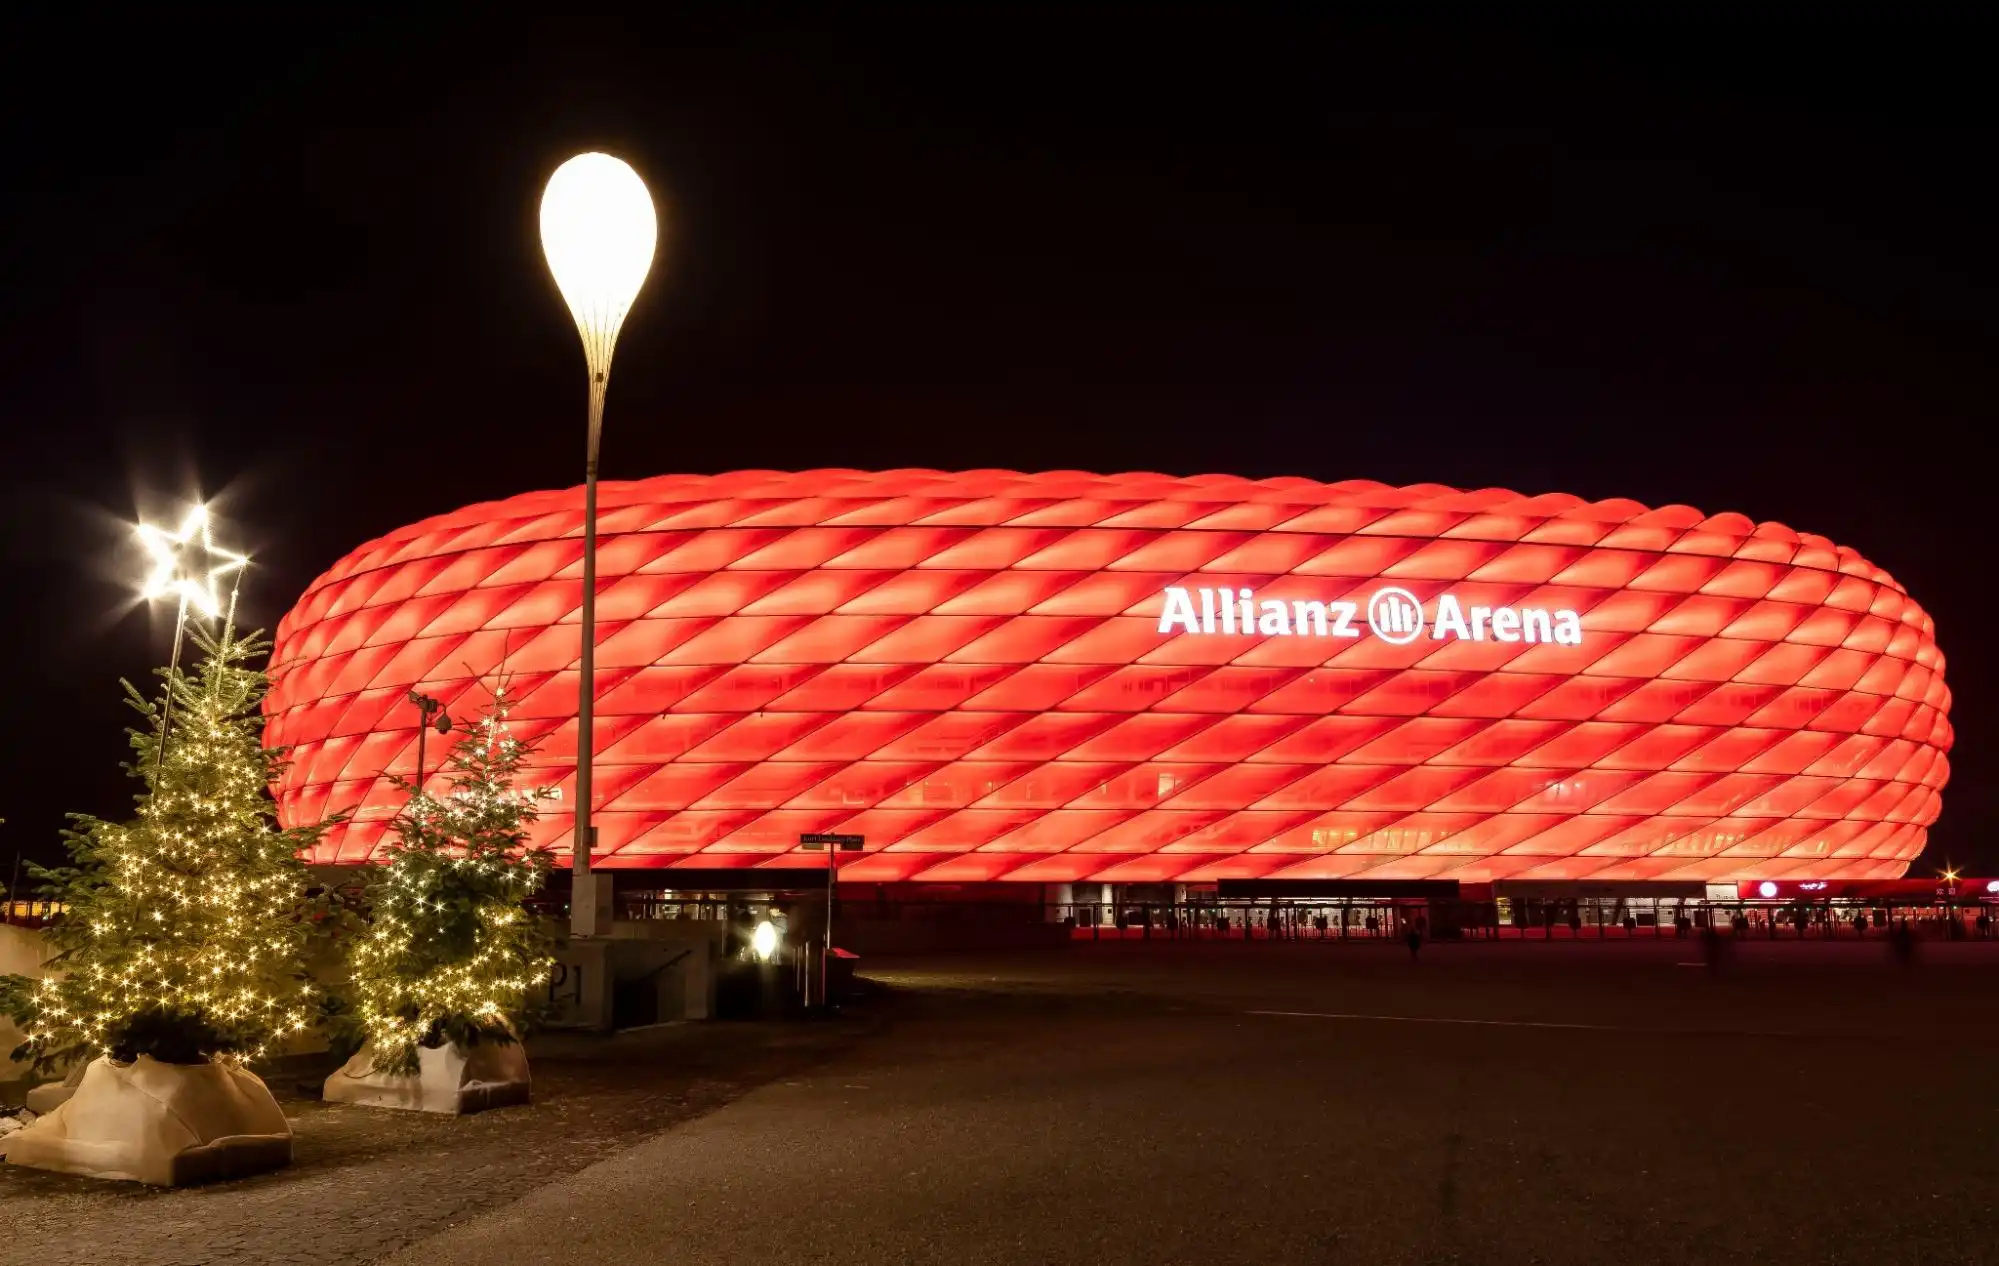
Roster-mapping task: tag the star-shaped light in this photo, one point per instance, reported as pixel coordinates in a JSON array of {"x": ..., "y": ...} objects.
[{"x": 187, "y": 563}]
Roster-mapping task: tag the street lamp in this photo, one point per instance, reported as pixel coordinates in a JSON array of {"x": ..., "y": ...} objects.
[
  {"x": 433, "y": 716},
  {"x": 598, "y": 231},
  {"x": 187, "y": 565}
]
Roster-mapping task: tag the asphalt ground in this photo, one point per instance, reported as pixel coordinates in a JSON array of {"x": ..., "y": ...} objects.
[{"x": 1297, "y": 1103}]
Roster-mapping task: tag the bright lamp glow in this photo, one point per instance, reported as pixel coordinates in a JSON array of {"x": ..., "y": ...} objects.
[
  {"x": 764, "y": 940},
  {"x": 1766, "y": 889},
  {"x": 187, "y": 563},
  {"x": 598, "y": 231}
]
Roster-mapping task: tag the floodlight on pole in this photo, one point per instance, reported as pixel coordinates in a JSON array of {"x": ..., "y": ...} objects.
[
  {"x": 598, "y": 232},
  {"x": 187, "y": 565},
  {"x": 431, "y": 716}
]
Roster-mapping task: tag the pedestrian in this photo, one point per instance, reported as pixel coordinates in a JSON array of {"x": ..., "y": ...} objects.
[
  {"x": 1715, "y": 947},
  {"x": 1902, "y": 943},
  {"x": 1415, "y": 939}
]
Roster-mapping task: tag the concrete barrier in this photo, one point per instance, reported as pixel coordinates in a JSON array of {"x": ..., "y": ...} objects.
[
  {"x": 645, "y": 972},
  {"x": 21, "y": 953}
]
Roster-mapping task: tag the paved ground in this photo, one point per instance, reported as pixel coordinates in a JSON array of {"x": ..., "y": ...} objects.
[
  {"x": 366, "y": 1182},
  {"x": 1145, "y": 1106},
  {"x": 1221, "y": 1103}
]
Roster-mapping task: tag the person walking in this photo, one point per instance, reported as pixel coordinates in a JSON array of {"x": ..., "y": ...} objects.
[
  {"x": 1902, "y": 944},
  {"x": 1414, "y": 937},
  {"x": 1715, "y": 948}
]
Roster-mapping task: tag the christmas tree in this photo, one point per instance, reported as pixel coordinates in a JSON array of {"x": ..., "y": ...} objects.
[
  {"x": 184, "y": 930},
  {"x": 452, "y": 955}
]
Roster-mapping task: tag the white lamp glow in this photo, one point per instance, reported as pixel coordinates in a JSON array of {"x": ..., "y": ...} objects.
[
  {"x": 598, "y": 231},
  {"x": 764, "y": 940}
]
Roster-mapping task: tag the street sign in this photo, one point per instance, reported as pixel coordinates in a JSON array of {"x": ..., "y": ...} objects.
[{"x": 845, "y": 843}]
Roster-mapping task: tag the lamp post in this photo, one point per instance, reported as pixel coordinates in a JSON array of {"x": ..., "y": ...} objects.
[
  {"x": 598, "y": 232},
  {"x": 432, "y": 715}
]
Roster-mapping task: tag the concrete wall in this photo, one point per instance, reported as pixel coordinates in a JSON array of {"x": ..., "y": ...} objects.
[
  {"x": 646, "y": 971},
  {"x": 21, "y": 952}
]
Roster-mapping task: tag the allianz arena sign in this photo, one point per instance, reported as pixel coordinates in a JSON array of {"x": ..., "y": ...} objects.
[{"x": 1393, "y": 614}]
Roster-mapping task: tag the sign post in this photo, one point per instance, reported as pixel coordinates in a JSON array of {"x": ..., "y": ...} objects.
[{"x": 832, "y": 844}]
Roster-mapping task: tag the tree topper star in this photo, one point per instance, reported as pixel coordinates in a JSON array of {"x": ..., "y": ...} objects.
[{"x": 187, "y": 563}]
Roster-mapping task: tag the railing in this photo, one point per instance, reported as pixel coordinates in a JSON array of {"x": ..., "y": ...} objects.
[
  {"x": 1361, "y": 919},
  {"x": 1604, "y": 919},
  {"x": 28, "y": 913},
  {"x": 1247, "y": 921}
]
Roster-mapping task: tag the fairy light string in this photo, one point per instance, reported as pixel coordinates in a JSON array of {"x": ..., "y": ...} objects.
[
  {"x": 450, "y": 953},
  {"x": 185, "y": 928}
]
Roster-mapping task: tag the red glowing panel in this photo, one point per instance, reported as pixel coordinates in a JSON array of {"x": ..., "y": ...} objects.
[{"x": 1138, "y": 677}]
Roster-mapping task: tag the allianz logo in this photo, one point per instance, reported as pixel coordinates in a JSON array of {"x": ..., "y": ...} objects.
[{"x": 1392, "y": 614}]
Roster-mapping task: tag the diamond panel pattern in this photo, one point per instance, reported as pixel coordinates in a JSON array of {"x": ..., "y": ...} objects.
[{"x": 969, "y": 669}]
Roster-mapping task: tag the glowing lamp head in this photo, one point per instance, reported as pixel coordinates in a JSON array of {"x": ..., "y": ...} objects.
[
  {"x": 1766, "y": 889},
  {"x": 598, "y": 231},
  {"x": 764, "y": 940}
]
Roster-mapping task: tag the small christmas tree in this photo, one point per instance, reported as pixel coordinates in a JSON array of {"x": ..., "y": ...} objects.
[
  {"x": 183, "y": 932},
  {"x": 452, "y": 955}
]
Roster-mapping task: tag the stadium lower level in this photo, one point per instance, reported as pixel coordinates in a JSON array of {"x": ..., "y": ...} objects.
[{"x": 875, "y": 918}]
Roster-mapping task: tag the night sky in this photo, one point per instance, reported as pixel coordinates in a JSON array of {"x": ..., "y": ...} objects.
[{"x": 297, "y": 271}]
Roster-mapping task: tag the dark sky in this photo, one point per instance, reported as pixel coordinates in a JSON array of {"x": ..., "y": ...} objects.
[{"x": 297, "y": 270}]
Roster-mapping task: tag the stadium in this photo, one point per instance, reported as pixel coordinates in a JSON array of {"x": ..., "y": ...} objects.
[{"x": 1078, "y": 685}]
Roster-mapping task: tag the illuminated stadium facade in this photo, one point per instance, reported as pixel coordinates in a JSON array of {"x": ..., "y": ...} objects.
[{"x": 1072, "y": 678}]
